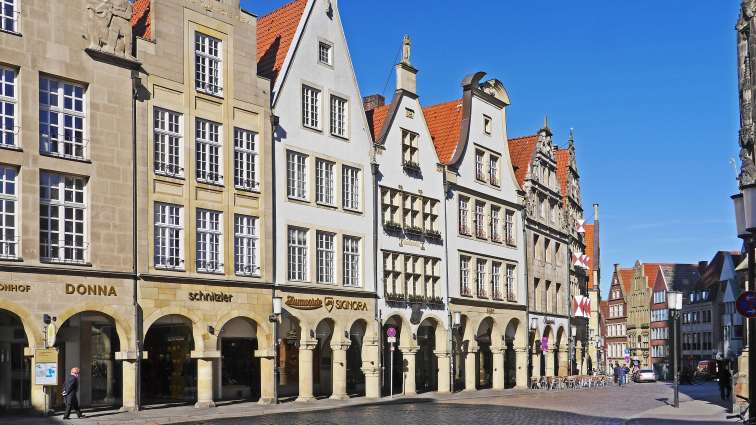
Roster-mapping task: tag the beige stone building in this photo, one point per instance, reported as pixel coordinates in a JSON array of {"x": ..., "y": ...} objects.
[
  {"x": 204, "y": 204},
  {"x": 66, "y": 199}
]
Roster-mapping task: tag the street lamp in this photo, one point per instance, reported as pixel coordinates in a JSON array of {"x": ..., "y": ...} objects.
[
  {"x": 745, "y": 219},
  {"x": 674, "y": 303},
  {"x": 274, "y": 318}
]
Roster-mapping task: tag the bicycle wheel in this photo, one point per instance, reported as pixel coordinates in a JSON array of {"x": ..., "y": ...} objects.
[{"x": 697, "y": 380}]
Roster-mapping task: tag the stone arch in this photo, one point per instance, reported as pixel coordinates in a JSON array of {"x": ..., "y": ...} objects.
[
  {"x": 468, "y": 334},
  {"x": 496, "y": 340},
  {"x": 34, "y": 334},
  {"x": 123, "y": 328},
  {"x": 438, "y": 325},
  {"x": 406, "y": 331},
  {"x": 301, "y": 321},
  {"x": 548, "y": 332},
  {"x": 535, "y": 340},
  {"x": 199, "y": 329},
  {"x": 516, "y": 333},
  {"x": 370, "y": 326},
  {"x": 262, "y": 326},
  {"x": 560, "y": 336}
]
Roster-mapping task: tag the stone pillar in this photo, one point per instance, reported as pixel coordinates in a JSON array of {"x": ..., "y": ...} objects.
[
  {"x": 340, "y": 370},
  {"x": 306, "y": 348},
  {"x": 550, "y": 363},
  {"x": 535, "y": 361},
  {"x": 563, "y": 359},
  {"x": 521, "y": 356},
  {"x": 740, "y": 382},
  {"x": 498, "y": 367},
  {"x": 205, "y": 377},
  {"x": 444, "y": 371},
  {"x": 38, "y": 391},
  {"x": 470, "y": 370},
  {"x": 128, "y": 365},
  {"x": 408, "y": 357},
  {"x": 267, "y": 380},
  {"x": 370, "y": 361},
  {"x": 579, "y": 358}
]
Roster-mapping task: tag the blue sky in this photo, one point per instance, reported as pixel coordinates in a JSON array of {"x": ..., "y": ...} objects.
[{"x": 650, "y": 88}]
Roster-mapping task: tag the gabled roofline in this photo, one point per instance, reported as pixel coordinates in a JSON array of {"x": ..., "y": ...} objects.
[
  {"x": 290, "y": 54},
  {"x": 393, "y": 107}
]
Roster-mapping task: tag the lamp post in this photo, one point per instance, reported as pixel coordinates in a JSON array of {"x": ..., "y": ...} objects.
[
  {"x": 274, "y": 318},
  {"x": 745, "y": 219},
  {"x": 573, "y": 331},
  {"x": 674, "y": 303}
]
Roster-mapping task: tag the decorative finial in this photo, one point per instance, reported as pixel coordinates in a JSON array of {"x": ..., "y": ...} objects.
[
  {"x": 570, "y": 134},
  {"x": 406, "y": 50},
  {"x": 545, "y": 121}
]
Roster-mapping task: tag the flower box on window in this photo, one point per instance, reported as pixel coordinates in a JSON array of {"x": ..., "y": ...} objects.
[
  {"x": 434, "y": 301},
  {"x": 494, "y": 181},
  {"x": 495, "y": 237},
  {"x": 395, "y": 298},
  {"x": 464, "y": 229},
  {"x": 392, "y": 226},
  {"x": 465, "y": 291},
  {"x": 415, "y": 299},
  {"x": 413, "y": 230},
  {"x": 511, "y": 296},
  {"x": 480, "y": 175},
  {"x": 482, "y": 293},
  {"x": 432, "y": 234},
  {"x": 497, "y": 295},
  {"x": 510, "y": 240},
  {"x": 480, "y": 233},
  {"x": 411, "y": 165}
]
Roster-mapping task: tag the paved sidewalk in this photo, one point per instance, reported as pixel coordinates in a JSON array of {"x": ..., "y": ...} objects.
[
  {"x": 154, "y": 415},
  {"x": 707, "y": 411}
]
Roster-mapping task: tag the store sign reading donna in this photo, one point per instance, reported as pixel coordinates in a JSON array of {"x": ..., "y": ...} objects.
[
  {"x": 91, "y": 290},
  {"x": 329, "y": 302}
]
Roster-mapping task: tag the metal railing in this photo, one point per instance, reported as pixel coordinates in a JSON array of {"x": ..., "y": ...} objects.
[
  {"x": 9, "y": 248},
  {"x": 248, "y": 184},
  {"x": 209, "y": 266},
  {"x": 63, "y": 145},
  {"x": 168, "y": 262},
  {"x": 8, "y": 137},
  {"x": 168, "y": 169},
  {"x": 69, "y": 252},
  {"x": 209, "y": 177},
  {"x": 247, "y": 270}
]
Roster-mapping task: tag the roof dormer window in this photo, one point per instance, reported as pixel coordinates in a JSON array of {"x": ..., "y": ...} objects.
[
  {"x": 487, "y": 125},
  {"x": 325, "y": 53}
]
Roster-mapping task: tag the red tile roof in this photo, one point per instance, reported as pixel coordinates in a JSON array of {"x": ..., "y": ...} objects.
[
  {"x": 375, "y": 118},
  {"x": 589, "y": 253},
  {"x": 627, "y": 277},
  {"x": 563, "y": 159},
  {"x": 140, "y": 19},
  {"x": 445, "y": 123},
  {"x": 275, "y": 33},
  {"x": 521, "y": 153}
]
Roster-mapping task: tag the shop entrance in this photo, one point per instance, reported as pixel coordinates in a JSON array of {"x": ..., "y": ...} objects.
[
  {"x": 398, "y": 360},
  {"x": 15, "y": 369},
  {"x": 240, "y": 369},
  {"x": 426, "y": 364},
  {"x": 355, "y": 376},
  {"x": 484, "y": 356},
  {"x": 169, "y": 374},
  {"x": 89, "y": 341}
]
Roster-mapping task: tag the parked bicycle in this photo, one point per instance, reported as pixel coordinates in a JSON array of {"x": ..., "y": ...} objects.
[{"x": 743, "y": 416}]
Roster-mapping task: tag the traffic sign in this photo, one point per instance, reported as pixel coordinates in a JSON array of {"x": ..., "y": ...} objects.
[
  {"x": 545, "y": 347},
  {"x": 391, "y": 332},
  {"x": 627, "y": 351},
  {"x": 746, "y": 304},
  {"x": 392, "y": 349},
  {"x": 627, "y": 358},
  {"x": 391, "y": 339},
  {"x": 544, "y": 340}
]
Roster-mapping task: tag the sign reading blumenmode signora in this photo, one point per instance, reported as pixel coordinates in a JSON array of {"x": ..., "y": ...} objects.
[{"x": 329, "y": 302}]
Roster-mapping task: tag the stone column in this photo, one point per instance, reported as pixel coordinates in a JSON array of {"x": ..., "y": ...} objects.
[
  {"x": 498, "y": 367},
  {"x": 267, "y": 380},
  {"x": 535, "y": 361},
  {"x": 205, "y": 377},
  {"x": 579, "y": 359},
  {"x": 550, "y": 363},
  {"x": 340, "y": 370},
  {"x": 470, "y": 372},
  {"x": 563, "y": 359},
  {"x": 38, "y": 391},
  {"x": 408, "y": 357},
  {"x": 128, "y": 365},
  {"x": 306, "y": 348},
  {"x": 370, "y": 361},
  {"x": 521, "y": 356},
  {"x": 444, "y": 371}
]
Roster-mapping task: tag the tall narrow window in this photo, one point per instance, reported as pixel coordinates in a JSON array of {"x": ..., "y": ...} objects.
[
  {"x": 351, "y": 185},
  {"x": 493, "y": 170},
  {"x": 351, "y": 261},
  {"x": 410, "y": 154},
  {"x": 245, "y": 159},
  {"x": 324, "y": 53},
  {"x": 511, "y": 290},
  {"x": 495, "y": 223},
  {"x": 169, "y": 232},
  {"x": 479, "y": 173},
  {"x": 168, "y": 134},
  {"x": 480, "y": 219},
  {"x": 207, "y": 57},
  {"x": 9, "y": 15},
  {"x": 548, "y": 297},
  {"x": 324, "y": 182},
  {"x": 326, "y": 257},
  {"x": 464, "y": 276},
  {"x": 61, "y": 216},
  {"x": 464, "y": 211},
  {"x": 338, "y": 116},
  {"x": 8, "y": 215},
  {"x": 8, "y": 106},
  {"x": 510, "y": 234},
  {"x": 246, "y": 243},
  {"x": 310, "y": 107},
  {"x": 208, "y": 152},
  {"x": 480, "y": 277},
  {"x": 209, "y": 241},
  {"x": 297, "y": 243},
  {"x": 296, "y": 172},
  {"x": 496, "y": 280},
  {"x": 61, "y": 119}
]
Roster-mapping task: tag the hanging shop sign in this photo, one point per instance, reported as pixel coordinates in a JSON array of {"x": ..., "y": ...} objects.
[
  {"x": 103, "y": 290},
  {"x": 329, "y": 302},
  {"x": 51, "y": 335}
]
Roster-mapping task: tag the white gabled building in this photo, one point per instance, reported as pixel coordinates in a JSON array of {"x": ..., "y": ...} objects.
[
  {"x": 324, "y": 216},
  {"x": 485, "y": 243},
  {"x": 412, "y": 284}
]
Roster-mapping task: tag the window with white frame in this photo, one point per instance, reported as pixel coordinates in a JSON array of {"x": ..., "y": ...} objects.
[
  {"x": 510, "y": 233},
  {"x": 169, "y": 234},
  {"x": 207, "y": 66},
  {"x": 8, "y": 214},
  {"x": 496, "y": 280},
  {"x": 209, "y": 148},
  {"x": 351, "y": 261},
  {"x": 410, "y": 150},
  {"x": 486, "y": 125},
  {"x": 8, "y": 106},
  {"x": 338, "y": 116},
  {"x": 480, "y": 219},
  {"x": 61, "y": 218},
  {"x": 479, "y": 174},
  {"x": 495, "y": 222},
  {"x": 493, "y": 170},
  {"x": 246, "y": 245},
  {"x": 245, "y": 159},
  {"x": 464, "y": 211},
  {"x": 511, "y": 290},
  {"x": 326, "y": 257},
  {"x": 324, "y": 182},
  {"x": 324, "y": 53},
  {"x": 209, "y": 241},
  {"x": 9, "y": 15},
  {"x": 310, "y": 107},
  {"x": 297, "y": 247},
  {"x": 296, "y": 175},
  {"x": 480, "y": 277},
  {"x": 168, "y": 146},
  {"x": 61, "y": 119},
  {"x": 351, "y": 188},
  {"x": 464, "y": 276}
]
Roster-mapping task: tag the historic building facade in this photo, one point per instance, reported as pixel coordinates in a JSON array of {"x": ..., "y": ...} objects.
[
  {"x": 412, "y": 238},
  {"x": 485, "y": 237},
  {"x": 548, "y": 258},
  {"x": 324, "y": 213},
  {"x": 66, "y": 210},
  {"x": 616, "y": 318}
]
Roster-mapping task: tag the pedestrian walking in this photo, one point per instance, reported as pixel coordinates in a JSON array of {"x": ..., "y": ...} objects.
[
  {"x": 622, "y": 375},
  {"x": 70, "y": 386},
  {"x": 616, "y": 374},
  {"x": 724, "y": 383}
]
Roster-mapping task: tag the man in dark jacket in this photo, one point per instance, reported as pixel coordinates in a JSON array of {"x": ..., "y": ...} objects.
[
  {"x": 70, "y": 386},
  {"x": 724, "y": 383}
]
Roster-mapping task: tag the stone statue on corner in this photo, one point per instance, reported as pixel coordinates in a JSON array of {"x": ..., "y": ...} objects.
[
  {"x": 406, "y": 50},
  {"x": 109, "y": 27},
  {"x": 747, "y": 170}
]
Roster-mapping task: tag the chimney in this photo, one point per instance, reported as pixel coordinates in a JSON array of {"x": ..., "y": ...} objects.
[
  {"x": 702, "y": 265},
  {"x": 373, "y": 102}
]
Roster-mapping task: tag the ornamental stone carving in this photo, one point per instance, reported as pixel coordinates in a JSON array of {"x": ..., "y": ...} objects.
[
  {"x": 747, "y": 170},
  {"x": 529, "y": 206},
  {"x": 109, "y": 27},
  {"x": 406, "y": 50}
]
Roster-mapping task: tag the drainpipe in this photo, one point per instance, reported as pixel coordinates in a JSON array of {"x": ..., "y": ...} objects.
[
  {"x": 527, "y": 289},
  {"x": 136, "y": 82},
  {"x": 448, "y": 304},
  {"x": 273, "y": 125},
  {"x": 376, "y": 311}
]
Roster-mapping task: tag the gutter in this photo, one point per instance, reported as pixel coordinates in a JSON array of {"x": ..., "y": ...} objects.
[
  {"x": 527, "y": 289},
  {"x": 137, "y": 323}
]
